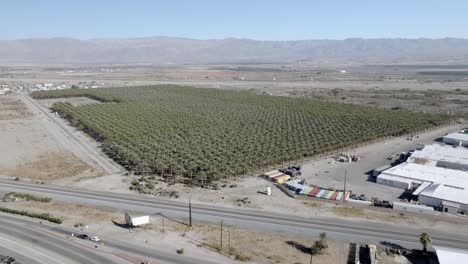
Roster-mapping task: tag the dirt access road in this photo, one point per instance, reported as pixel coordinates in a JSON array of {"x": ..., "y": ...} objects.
[{"x": 81, "y": 144}]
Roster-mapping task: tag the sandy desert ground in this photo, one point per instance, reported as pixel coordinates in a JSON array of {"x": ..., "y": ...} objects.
[{"x": 30, "y": 150}]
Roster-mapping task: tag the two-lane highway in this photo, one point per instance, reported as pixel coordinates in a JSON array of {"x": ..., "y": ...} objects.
[{"x": 356, "y": 231}]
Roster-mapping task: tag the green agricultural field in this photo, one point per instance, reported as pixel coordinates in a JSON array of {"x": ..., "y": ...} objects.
[{"x": 208, "y": 134}]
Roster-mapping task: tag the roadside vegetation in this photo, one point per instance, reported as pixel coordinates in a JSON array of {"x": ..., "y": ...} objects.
[
  {"x": 43, "y": 216},
  {"x": 202, "y": 135},
  {"x": 28, "y": 197},
  {"x": 348, "y": 211}
]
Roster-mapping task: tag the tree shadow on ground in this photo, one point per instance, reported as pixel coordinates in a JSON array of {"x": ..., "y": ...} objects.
[
  {"x": 419, "y": 257},
  {"x": 299, "y": 246}
]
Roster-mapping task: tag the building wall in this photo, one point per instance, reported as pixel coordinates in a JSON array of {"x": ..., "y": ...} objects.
[
  {"x": 437, "y": 203},
  {"x": 430, "y": 201},
  {"x": 452, "y": 141},
  {"x": 450, "y": 209},
  {"x": 464, "y": 207},
  {"x": 451, "y": 165},
  {"x": 393, "y": 183}
]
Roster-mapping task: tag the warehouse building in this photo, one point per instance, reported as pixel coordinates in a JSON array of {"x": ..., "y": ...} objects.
[
  {"x": 449, "y": 198},
  {"x": 438, "y": 174},
  {"x": 458, "y": 139},
  {"x": 412, "y": 175},
  {"x": 442, "y": 188},
  {"x": 441, "y": 156}
]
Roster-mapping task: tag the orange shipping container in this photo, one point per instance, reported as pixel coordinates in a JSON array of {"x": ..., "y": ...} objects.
[{"x": 281, "y": 178}]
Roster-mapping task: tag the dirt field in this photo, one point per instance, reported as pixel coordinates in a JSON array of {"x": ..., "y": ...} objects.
[
  {"x": 30, "y": 150},
  {"x": 51, "y": 166},
  {"x": 12, "y": 108}
]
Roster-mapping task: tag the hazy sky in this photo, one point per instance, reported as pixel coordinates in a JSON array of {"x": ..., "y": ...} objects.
[{"x": 257, "y": 19}]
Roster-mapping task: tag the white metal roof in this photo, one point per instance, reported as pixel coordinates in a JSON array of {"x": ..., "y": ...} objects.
[
  {"x": 451, "y": 255},
  {"x": 428, "y": 174},
  {"x": 457, "y": 136},
  {"x": 437, "y": 152},
  {"x": 421, "y": 188},
  {"x": 447, "y": 192}
]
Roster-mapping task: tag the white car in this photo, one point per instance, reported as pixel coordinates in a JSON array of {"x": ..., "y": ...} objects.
[{"x": 95, "y": 238}]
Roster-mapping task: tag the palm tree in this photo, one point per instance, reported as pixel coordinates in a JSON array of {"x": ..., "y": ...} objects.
[
  {"x": 425, "y": 240},
  {"x": 323, "y": 242}
]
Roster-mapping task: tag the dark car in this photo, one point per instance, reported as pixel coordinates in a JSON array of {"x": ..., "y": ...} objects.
[{"x": 83, "y": 236}]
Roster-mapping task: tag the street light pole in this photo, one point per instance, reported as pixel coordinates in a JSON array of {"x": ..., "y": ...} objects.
[
  {"x": 344, "y": 188},
  {"x": 190, "y": 213},
  {"x": 221, "y": 248}
]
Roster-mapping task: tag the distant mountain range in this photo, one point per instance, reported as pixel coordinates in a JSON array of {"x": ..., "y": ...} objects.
[{"x": 169, "y": 50}]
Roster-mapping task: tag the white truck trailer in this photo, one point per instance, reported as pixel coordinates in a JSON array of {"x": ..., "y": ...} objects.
[{"x": 134, "y": 221}]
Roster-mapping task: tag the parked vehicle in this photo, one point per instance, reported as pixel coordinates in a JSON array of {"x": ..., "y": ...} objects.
[
  {"x": 292, "y": 171},
  {"x": 384, "y": 204}
]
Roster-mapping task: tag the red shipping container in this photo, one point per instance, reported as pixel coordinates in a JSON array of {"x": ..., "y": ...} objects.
[
  {"x": 314, "y": 192},
  {"x": 334, "y": 195}
]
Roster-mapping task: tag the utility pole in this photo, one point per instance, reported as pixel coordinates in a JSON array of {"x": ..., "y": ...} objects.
[
  {"x": 344, "y": 189},
  {"x": 190, "y": 212},
  {"x": 311, "y": 257},
  {"x": 229, "y": 240},
  {"x": 221, "y": 247},
  {"x": 162, "y": 219}
]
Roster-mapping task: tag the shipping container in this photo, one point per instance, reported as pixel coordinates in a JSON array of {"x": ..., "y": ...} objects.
[
  {"x": 333, "y": 197},
  {"x": 319, "y": 194},
  {"x": 271, "y": 172},
  {"x": 274, "y": 175},
  {"x": 314, "y": 192},
  {"x": 281, "y": 178},
  {"x": 329, "y": 194},
  {"x": 324, "y": 196},
  {"x": 339, "y": 196},
  {"x": 346, "y": 195},
  {"x": 306, "y": 190}
]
